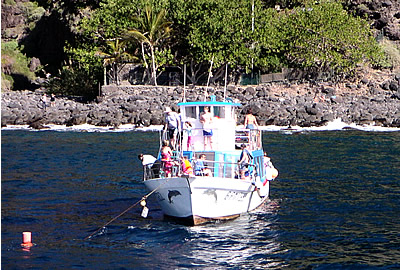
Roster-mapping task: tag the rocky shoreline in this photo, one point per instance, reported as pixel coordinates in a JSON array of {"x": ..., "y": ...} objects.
[{"x": 366, "y": 102}]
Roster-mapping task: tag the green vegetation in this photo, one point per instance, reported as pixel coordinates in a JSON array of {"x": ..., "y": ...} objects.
[
  {"x": 325, "y": 38},
  {"x": 33, "y": 13},
  {"x": 392, "y": 52},
  {"x": 250, "y": 35},
  {"x": 316, "y": 37},
  {"x": 13, "y": 63},
  {"x": 154, "y": 30},
  {"x": 115, "y": 55}
]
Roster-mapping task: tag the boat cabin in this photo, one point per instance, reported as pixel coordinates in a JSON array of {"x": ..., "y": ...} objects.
[
  {"x": 223, "y": 155},
  {"x": 223, "y": 124},
  {"x": 227, "y": 139}
]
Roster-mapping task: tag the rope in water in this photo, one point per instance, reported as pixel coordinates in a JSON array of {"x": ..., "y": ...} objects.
[{"x": 129, "y": 208}]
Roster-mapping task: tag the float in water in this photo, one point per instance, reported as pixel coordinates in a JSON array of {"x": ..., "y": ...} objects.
[{"x": 228, "y": 188}]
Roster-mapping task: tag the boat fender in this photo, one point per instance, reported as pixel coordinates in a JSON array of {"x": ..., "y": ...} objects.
[
  {"x": 145, "y": 210},
  {"x": 274, "y": 173},
  {"x": 271, "y": 173}
]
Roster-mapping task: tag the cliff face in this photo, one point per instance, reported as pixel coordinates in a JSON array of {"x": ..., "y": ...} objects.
[
  {"x": 383, "y": 14},
  {"x": 42, "y": 33},
  {"x": 13, "y": 20}
]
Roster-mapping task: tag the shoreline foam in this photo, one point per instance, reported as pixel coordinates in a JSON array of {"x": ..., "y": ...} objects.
[{"x": 335, "y": 125}]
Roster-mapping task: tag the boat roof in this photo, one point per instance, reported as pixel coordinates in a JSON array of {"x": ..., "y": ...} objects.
[{"x": 209, "y": 103}]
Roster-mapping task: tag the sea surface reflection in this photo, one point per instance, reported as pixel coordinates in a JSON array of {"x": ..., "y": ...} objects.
[{"x": 249, "y": 241}]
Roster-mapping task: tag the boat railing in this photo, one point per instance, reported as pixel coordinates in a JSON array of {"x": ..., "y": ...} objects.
[
  {"x": 232, "y": 170},
  {"x": 176, "y": 144},
  {"x": 180, "y": 142},
  {"x": 219, "y": 169},
  {"x": 152, "y": 171},
  {"x": 250, "y": 137}
]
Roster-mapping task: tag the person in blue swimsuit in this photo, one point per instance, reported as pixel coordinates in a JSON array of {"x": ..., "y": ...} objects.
[{"x": 200, "y": 169}]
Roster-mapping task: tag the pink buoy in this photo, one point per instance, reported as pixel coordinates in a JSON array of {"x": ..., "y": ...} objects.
[{"x": 26, "y": 239}]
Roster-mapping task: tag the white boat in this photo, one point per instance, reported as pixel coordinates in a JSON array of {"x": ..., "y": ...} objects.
[{"x": 196, "y": 199}]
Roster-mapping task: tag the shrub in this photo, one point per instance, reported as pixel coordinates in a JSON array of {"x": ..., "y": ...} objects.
[
  {"x": 13, "y": 62},
  {"x": 392, "y": 53},
  {"x": 73, "y": 82}
]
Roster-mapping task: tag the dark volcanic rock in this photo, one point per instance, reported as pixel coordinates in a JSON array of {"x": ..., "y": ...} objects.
[{"x": 144, "y": 105}]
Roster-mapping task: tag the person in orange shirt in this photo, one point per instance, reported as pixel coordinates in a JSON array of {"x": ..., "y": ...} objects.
[{"x": 187, "y": 166}]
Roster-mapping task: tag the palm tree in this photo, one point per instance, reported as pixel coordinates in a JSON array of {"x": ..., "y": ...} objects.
[
  {"x": 153, "y": 30},
  {"x": 114, "y": 55}
]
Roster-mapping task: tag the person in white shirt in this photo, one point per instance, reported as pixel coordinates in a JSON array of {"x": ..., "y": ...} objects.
[{"x": 146, "y": 159}]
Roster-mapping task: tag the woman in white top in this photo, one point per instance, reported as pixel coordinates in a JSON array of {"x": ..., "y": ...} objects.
[{"x": 206, "y": 119}]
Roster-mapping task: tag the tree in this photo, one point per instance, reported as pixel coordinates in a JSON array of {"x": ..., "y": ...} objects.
[
  {"x": 152, "y": 33},
  {"x": 115, "y": 55},
  {"x": 244, "y": 33},
  {"x": 216, "y": 29},
  {"x": 325, "y": 38}
]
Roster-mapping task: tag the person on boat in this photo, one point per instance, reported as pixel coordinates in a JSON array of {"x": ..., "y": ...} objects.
[
  {"x": 188, "y": 131},
  {"x": 147, "y": 160},
  {"x": 206, "y": 120},
  {"x": 173, "y": 125},
  {"x": 244, "y": 160},
  {"x": 149, "y": 167},
  {"x": 250, "y": 121},
  {"x": 267, "y": 161},
  {"x": 166, "y": 159},
  {"x": 186, "y": 166},
  {"x": 200, "y": 168}
]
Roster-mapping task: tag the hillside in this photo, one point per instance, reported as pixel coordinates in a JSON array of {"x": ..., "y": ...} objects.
[{"x": 43, "y": 30}]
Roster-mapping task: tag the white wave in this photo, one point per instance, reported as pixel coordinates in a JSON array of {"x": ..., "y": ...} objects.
[{"x": 336, "y": 124}]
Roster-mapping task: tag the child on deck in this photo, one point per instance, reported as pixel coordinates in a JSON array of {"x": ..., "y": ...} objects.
[
  {"x": 166, "y": 159},
  {"x": 188, "y": 129}
]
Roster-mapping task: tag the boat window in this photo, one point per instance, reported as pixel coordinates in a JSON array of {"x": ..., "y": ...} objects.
[
  {"x": 201, "y": 110},
  {"x": 190, "y": 112},
  {"x": 219, "y": 112}
]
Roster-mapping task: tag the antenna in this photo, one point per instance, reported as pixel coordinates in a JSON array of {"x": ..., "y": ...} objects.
[{"x": 209, "y": 76}]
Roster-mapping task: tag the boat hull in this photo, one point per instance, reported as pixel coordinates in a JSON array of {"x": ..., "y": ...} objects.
[{"x": 198, "y": 199}]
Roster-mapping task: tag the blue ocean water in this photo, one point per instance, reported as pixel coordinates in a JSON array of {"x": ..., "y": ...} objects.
[{"x": 335, "y": 205}]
